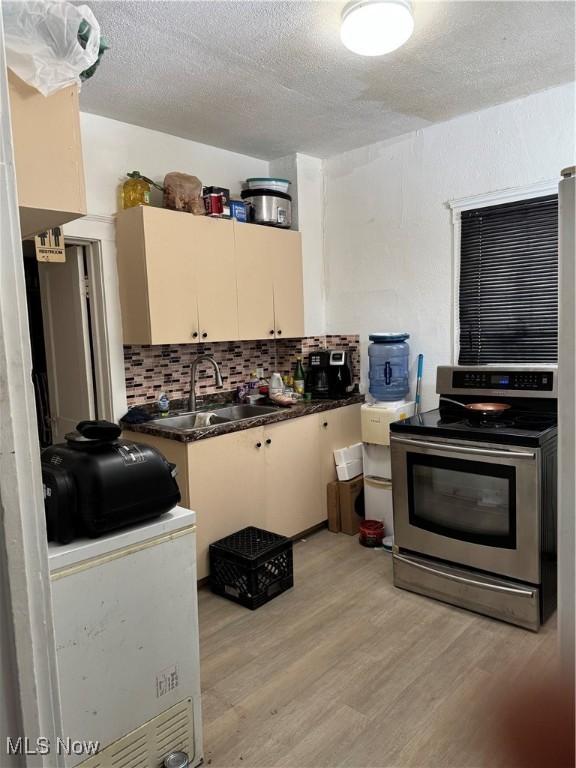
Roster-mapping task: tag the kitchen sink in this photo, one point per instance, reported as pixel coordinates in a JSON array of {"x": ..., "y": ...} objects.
[
  {"x": 189, "y": 421},
  {"x": 239, "y": 412},
  {"x": 186, "y": 422}
]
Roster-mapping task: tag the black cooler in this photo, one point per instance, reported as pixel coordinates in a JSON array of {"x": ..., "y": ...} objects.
[{"x": 95, "y": 483}]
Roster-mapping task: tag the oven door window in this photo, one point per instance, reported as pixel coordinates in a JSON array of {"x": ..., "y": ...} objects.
[{"x": 467, "y": 500}]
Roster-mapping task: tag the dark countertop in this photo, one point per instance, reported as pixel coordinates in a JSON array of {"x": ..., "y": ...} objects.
[{"x": 283, "y": 414}]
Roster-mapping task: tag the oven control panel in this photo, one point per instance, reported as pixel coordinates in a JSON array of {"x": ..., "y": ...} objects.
[{"x": 535, "y": 381}]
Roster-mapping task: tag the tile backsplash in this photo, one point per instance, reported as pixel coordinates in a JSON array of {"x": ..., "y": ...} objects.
[{"x": 151, "y": 370}]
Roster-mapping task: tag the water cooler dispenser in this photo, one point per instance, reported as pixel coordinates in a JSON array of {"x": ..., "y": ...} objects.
[
  {"x": 389, "y": 385},
  {"x": 389, "y": 356}
]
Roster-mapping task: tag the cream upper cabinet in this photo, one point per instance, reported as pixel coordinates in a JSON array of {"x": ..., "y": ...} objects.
[
  {"x": 48, "y": 156},
  {"x": 288, "y": 288},
  {"x": 269, "y": 280},
  {"x": 176, "y": 275},
  {"x": 187, "y": 279},
  {"x": 293, "y": 496},
  {"x": 215, "y": 279},
  {"x": 162, "y": 249},
  {"x": 254, "y": 246}
]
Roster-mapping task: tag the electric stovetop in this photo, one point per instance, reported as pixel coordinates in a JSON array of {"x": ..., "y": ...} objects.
[{"x": 521, "y": 425}]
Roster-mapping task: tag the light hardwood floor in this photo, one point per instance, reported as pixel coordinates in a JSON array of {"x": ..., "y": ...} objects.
[{"x": 347, "y": 670}]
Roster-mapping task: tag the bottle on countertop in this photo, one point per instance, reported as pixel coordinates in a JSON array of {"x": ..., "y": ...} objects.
[
  {"x": 288, "y": 384},
  {"x": 299, "y": 377},
  {"x": 163, "y": 404},
  {"x": 276, "y": 386}
]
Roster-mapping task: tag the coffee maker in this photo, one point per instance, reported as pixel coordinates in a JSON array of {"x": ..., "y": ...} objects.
[{"x": 329, "y": 374}]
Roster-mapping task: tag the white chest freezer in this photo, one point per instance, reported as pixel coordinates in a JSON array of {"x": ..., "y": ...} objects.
[{"x": 126, "y": 625}]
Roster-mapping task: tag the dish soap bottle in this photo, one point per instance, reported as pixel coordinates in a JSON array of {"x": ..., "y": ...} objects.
[
  {"x": 135, "y": 191},
  {"x": 299, "y": 377}
]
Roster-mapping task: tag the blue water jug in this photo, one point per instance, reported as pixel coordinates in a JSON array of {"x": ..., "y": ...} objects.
[{"x": 389, "y": 361}]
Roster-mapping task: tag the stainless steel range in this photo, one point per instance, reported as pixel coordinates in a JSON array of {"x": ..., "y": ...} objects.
[{"x": 475, "y": 494}]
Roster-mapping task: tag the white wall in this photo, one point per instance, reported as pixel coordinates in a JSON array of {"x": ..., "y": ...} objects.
[
  {"x": 112, "y": 148},
  {"x": 311, "y": 213},
  {"x": 307, "y": 190},
  {"x": 388, "y": 240},
  {"x": 287, "y": 168}
]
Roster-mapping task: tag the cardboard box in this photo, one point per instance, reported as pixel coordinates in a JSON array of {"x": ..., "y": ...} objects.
[
  {"x": 333, "y": 497},
  {"x": 238, "y": 210},
  {"x": 351, "y": 498}
]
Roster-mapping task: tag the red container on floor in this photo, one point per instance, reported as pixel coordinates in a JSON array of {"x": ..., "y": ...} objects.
[{"x": 371, "y": 533}]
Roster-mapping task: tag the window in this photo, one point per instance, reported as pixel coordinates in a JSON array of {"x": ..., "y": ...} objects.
[{"x": 509, "y": 283}]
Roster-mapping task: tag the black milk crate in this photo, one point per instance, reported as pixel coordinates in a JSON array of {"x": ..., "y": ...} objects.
[{"x": 251, "y": 566}]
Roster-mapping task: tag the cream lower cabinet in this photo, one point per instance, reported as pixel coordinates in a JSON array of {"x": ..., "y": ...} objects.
[
  {"x": 222, "y": 479},
  {"x": 272, "y": 477},
  {"x": 293, "y": 497},
  {"x": 226, "y": 487},
  {"x": 337, "y": 429}
]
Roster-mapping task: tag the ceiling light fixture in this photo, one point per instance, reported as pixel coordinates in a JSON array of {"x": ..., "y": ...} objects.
[{"x": 376, "y": 27}]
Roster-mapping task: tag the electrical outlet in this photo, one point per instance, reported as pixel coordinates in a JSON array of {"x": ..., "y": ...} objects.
[{"x": 260, "y": 373}]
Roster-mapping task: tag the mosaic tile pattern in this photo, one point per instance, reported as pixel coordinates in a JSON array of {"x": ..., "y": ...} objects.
[{"x": 151, "y": 370}]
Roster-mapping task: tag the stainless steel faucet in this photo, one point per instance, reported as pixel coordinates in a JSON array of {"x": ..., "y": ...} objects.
[{"x": 195, "y": 363}]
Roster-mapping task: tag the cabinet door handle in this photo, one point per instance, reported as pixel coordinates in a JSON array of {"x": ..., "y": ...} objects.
[
  {"x": 258, "y": 444},
  {"x": 279, "y": 333},
  {"x": 325, "y": 424},
  {"x": 268, "y": 441},
  {"x": 195, "y": 335},
  {"x": 272, "y": 333},
  {"x": 204, "y": 335}
]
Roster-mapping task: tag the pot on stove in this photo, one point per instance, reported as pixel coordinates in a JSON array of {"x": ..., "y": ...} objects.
[{"x": 481, "y": 411}]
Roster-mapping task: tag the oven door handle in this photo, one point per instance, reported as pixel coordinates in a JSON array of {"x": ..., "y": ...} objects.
[
  {"x": 465, "y": 449},
  {"x": 464, "y": 580}
]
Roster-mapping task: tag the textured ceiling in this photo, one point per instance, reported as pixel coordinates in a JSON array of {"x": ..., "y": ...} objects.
[{"x": 270, "y": 78}]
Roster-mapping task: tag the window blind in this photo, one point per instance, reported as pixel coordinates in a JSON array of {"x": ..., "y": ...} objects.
[{"x": 509, "y": 283}]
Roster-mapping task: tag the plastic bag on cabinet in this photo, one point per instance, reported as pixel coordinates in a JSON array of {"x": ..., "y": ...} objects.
[{"x": 42, "y": 45}]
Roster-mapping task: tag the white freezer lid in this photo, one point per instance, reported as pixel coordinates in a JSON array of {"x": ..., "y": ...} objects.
[{"x": 65, "y": 555}]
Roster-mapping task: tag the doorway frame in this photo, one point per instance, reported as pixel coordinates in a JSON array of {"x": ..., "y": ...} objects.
[{"x": 98, "y": 235}]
